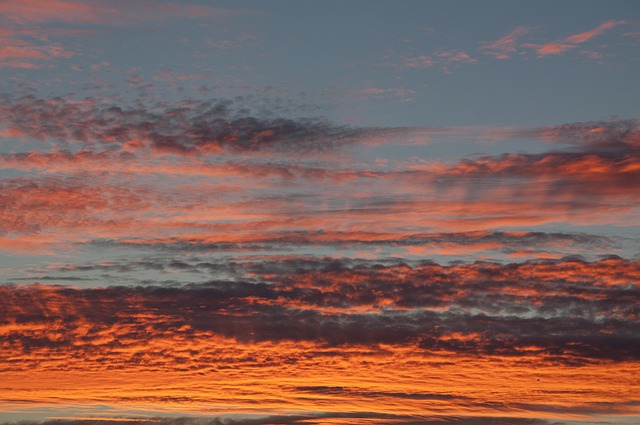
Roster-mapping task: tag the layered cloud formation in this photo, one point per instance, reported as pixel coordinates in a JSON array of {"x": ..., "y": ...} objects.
[
  {"x": 319, "y": 334},
  {"x": 229, "y": 217},
  {"x": 219, "y": 175},
  {"x": 561, "y": 311},
  {"x": 191, "y": 236}
]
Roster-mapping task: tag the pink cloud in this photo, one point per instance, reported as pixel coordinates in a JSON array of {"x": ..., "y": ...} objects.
[
  {"x": 505, "y": 46},
  {"x": 571, "y": 42},
  {"x": 588, "y": 35},
  {"x": 17, "y": 52},
  {"x": 27, "y": 48},
  {"x": 95, "y": 12}
]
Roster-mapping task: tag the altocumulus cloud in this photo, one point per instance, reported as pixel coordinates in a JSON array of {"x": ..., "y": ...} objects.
[{"x": 567, "y": 310}]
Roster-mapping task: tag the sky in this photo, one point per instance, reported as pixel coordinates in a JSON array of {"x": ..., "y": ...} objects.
[{"x": 331, "y": 212}]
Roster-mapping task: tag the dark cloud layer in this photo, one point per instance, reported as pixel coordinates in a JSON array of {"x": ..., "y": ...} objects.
[
  {"x": 506, "y": 242},
  {"x": 184, "y": 128},
  {"x": 197, "y": 126},
  {"x": 569, "y": 311},
  {"x": 612, "y": 136}
]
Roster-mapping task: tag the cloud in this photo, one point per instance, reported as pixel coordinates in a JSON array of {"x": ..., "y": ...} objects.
[
  {"x": 28, "y": 49},
  {"x": 510, "y": 243},
  {"x": 311, "y": 418},
  {"x": 422, "y": 61},
  {"x": 510, "y": 44},
  {"x": 216, "y": 175},
  {"x": 401, "y": 94},
  {"x": 26, "y": 37},
  {"x": 349, "y": 392},
  {"x": 63, "y": 203},
  {"x": 621, "y": 136},
  {"x": 571, "y": 42},
  {"x": 441, "y": 57},
  {"x": 454, "y": 56},
  {"x": 559, "y": 175},
  {"x": 506, "y": 46},
  {"x": 378, "y": 341},
  {"x": 98, "y": 12},
  {"x": 191, "y": 127},
  {"x": 558, "y": 310},
  {"x": 183, "y": 128}
]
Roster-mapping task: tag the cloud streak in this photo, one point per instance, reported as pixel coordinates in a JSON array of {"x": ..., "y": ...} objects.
[
  {"x": 510, "y": 44},
  {"x": 506, "y": 46},
  {"x": 571, "y": 42},
  {"x": 354, "y": 418}
]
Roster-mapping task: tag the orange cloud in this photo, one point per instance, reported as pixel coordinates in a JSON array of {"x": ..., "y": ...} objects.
[{"x": 335, "y": 335}]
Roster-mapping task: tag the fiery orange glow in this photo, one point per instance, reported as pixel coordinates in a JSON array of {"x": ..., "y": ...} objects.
[{"x": 202, "y": 370}]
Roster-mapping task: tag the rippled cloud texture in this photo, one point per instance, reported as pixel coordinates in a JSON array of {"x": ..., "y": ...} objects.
[{"x": 193, "y": 230}]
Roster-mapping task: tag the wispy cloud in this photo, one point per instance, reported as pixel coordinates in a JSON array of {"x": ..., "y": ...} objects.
[
  {"x": 28, "y": 49},
  {"x": 446, "y": 59},
  {"x": 506, "y": 46},
  {"x": 98, "y": 12},
  {"x": 511, "y": 44},
  {"x": 28, "y": 40},
  {"x": 575, "y": 40}
]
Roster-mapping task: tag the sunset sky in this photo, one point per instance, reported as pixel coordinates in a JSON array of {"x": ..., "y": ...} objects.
[{"x": 319, "y": 212}]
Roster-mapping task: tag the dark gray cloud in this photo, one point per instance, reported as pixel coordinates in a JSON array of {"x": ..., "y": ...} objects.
[
  {"x": 499, "y": 241},
  {"x": 348, "y": 392},
  {"x": 183, "y": 128},
  {"x": 614, "y": 136}
]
